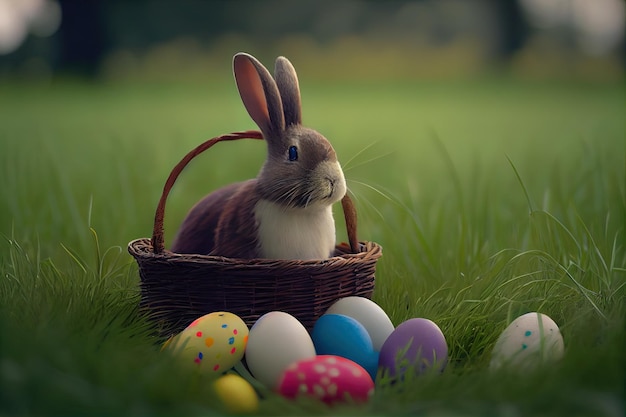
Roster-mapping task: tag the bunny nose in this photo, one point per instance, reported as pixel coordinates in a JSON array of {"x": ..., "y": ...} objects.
[{"x": 331, "y": 183}]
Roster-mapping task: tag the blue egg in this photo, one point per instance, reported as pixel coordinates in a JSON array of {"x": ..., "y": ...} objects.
[{"x": 336, "y": 334}]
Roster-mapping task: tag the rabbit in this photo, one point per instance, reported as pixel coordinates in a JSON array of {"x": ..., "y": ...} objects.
[{"x": 286, "y": 211}]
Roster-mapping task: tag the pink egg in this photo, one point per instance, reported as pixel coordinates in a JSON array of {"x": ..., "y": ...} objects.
[{"x": 328, "y": 378}]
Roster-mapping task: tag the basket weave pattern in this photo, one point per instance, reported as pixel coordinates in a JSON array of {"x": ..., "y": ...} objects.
[{"x": 178, "y": 288}]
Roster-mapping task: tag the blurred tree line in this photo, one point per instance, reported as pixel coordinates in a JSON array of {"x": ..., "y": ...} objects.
[{"x": 92, "y": 30}]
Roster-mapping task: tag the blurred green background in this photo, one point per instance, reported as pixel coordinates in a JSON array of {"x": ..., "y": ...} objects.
[{"x": 194, "y": 40}]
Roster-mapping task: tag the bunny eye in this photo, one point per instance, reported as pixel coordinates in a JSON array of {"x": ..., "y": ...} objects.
[{"x": 293, "y": 153}]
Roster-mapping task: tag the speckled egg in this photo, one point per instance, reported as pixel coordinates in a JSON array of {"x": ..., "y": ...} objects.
[
  {"x": 530, "y": 339},
  {"x": 369, "y": 314},
  {"x": 416, "y": 345},
  {"x": 213, "y": 343},
  {"x": 277, "y": 339},
  {"x": 328, "y": 378}
]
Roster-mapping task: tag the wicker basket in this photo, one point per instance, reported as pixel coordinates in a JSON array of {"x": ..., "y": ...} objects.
[{"x": 178, "y": 288}]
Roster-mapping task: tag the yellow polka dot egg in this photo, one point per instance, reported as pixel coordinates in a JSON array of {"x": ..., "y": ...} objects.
[{"x": 212, "y": 344}]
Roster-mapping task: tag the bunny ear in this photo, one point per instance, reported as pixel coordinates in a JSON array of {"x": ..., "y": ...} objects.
[
  {"x": 259, "y": 94},
  {"x": 287, "y": 82}
]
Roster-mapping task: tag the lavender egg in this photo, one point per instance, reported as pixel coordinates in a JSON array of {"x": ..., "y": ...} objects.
[{"x": 416, "y": 344}]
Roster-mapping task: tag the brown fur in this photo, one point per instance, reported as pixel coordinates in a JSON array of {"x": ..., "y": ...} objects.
[{"x": 196, "y": 234}]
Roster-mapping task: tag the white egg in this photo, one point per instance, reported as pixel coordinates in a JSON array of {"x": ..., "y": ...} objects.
[
  {"x": 369, "y": 314},
  {"x": 529, "y": 340},
  {"x": 276, "y": 340}
]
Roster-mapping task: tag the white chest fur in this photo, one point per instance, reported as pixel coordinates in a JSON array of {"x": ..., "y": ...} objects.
[{"x": 303, "y": 234}]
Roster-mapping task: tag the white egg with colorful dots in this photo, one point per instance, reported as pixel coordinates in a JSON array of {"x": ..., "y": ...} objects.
[
  {"x": 529, "y": 340},
  {"x": 212, "y": 344}
]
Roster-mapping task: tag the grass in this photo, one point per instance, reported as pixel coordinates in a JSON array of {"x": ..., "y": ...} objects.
[{"x": 490, "y": 198}]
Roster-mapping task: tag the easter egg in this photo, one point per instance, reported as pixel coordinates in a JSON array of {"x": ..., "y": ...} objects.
[
  {"x": 369, "y": 314},
  {"x": 213, "y": 343},
  {"x": 529, "y": 340},
  {"x": 417, "y": 344},
  {"x": 276, "y": 340},
  {"x": 328, "y": 378},
  {"x": 236, "y": 394},
  {"x": 336, "y": 334}
]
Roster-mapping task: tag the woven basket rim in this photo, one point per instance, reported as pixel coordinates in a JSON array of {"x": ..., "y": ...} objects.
[{"x": 142, "y": 247}]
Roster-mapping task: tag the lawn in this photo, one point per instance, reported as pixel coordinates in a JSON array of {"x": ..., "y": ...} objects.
[{"x": 491, "y": 198}]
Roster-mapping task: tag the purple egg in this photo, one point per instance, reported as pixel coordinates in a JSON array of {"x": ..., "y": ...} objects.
[{"x": 415, "y": 344}]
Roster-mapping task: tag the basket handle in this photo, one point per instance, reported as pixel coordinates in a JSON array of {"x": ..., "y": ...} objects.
[{"x": 158, "y": 242}]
